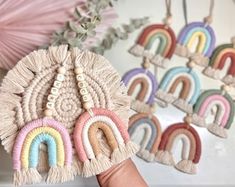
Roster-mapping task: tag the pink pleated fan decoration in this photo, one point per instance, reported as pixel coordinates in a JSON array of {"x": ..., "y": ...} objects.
[{"x": 26, "y": 25}]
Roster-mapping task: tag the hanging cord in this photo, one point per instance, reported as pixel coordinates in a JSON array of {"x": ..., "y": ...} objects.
[
  {"x": 185, "y": 12},
  {"x": 208, "y": 20},
  {"x": 168, "y": 19}
]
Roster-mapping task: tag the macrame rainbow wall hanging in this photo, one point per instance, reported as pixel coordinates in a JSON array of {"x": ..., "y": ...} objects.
[
  {"x": 190, "y": 90},
  {"x": 152, "y": 134},
  {"x": 191, "y": 150},
  {"x": 145, "y": 47},
  {"x": 205, "y": 46},
  {"x": 224, "y": 115},
  {"x": 217, "y": 63}
]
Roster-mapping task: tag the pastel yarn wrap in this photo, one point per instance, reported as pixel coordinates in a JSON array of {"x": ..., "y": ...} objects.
[
  {"x": 165, "y": 49},
  {"x": 224, "y": 114},
  {"x": 26, "y": 152},
  {"x": 205, "y": 46},
  {"x": 188, "y": 94}
]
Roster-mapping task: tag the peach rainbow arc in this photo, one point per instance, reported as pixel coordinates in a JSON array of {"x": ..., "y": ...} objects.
[{"x": 86, "y": 142}]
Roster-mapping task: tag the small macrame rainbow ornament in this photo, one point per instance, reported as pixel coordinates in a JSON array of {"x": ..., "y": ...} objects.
[
  {"x": 196, "y": 40},
  {"x": 145, "y": 46},
  {"x": 189, "y": 91},
  {"x": 93, "y": 160},
  {"x": 224, "y": 116},
  {"x": 191, "y": 149},
  {"x": 157, "y": 42},
  {"x": 144, "y": 100},
  {"x": 26, "y": 152},
  {"x": 152, "y": 134},
  {"x": 218, "y": 60}
]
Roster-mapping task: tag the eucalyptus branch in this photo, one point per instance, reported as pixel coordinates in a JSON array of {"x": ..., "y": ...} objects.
[
  {"x": 120, "y": 33},
  {"x": 85, "y": 20}
]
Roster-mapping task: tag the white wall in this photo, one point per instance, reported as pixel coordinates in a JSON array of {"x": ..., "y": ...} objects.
[{"x": 217, "y": 165}]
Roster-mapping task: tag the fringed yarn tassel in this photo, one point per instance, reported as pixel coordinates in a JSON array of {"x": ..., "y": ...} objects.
[
  {"x": 131, "y": 149},
  {"x": 124, "y": 152},
  {"x": 146, "y": 155},
  {"x": 137, "y": 50},
  {"x": 30, "y": 176},
  {"x": 96, "y": 165},
  {"x": 165, "y": 157},
  {"x": 19, "y": 178},
  {"x": 183, "y": 105},
  {"x": 76, "y": 167},
  {"x": 164, "y": 96},
  {"x": 141, "y": 107},
  {"x": 181, "y": 51},
  {"x": 229, "y": 79},
  {"x": 159, "y": 61},
  {"x": 217, "y": 130},
  {"x": 186, "y": 166},
  {"x": 197, "y": 120},
  {"x": 58, "y": 174},
  {"x": 213, "y": 73},
  {"x": 68, "y": 173}
]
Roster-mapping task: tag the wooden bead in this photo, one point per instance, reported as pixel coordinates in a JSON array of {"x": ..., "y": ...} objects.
[
  {"x": 226, "y": 88},
  {"x": 61, "y": 70},
  {"x": 57, "y": 84},
  {"x": 87, "y": 105},
  {"x": 146, "y": 64},
  {"x": 54, "y": 91},
  {"x": 51, "y": 98},
  {"x": 86, "y": 98},
  {"x": 50, "y": 105},
  {"x": 82, "y": 84},
  {"x": 191, "y": 64},
  {"x": 83, "y": 91},
  {"x": 80, "y": 77},
  {"x": 188, "y": 119},
  {"x": 48, "y": 112},
  {"x": 78, "y": 70},
  {"x": 60, "y": 77}
]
